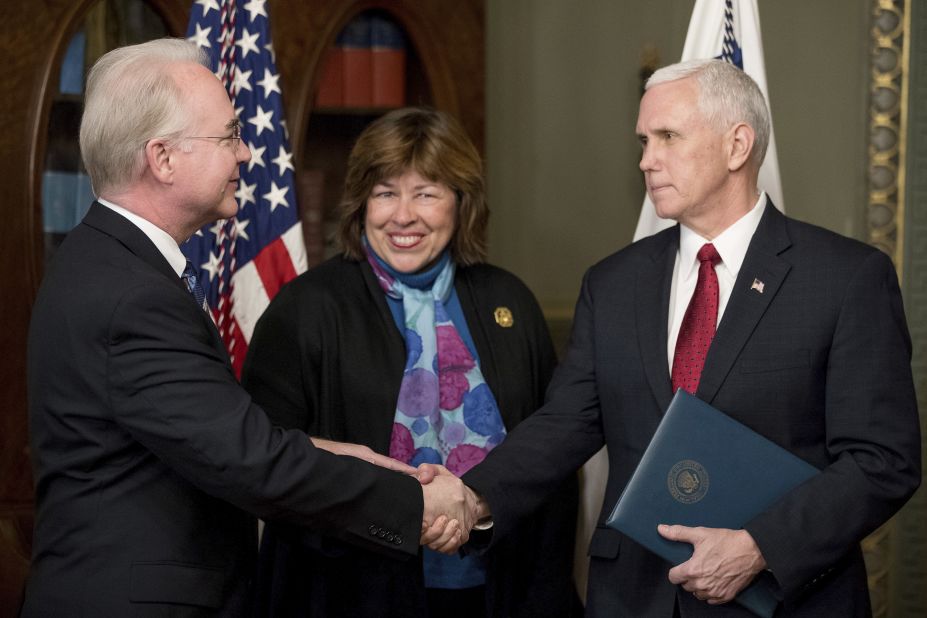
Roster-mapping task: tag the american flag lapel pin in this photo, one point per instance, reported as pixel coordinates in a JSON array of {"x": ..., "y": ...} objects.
[{"x": 757, "y": 285}]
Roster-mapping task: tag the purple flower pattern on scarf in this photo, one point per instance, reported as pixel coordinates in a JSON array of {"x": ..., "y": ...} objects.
[
  {"x": 401, "y": 445},
  {"x": 453, "y": 355},
  {"x": 453, "y": 385},
  {"x": 453, "y": 433},
  {"x": 464, "y": 457},
  {"x": 418, "y": 395}
]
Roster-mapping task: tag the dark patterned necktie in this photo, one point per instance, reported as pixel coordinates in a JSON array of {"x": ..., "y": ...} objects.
[
  {"x": 193, "y": 285},
  {"x": 698, "y": 325}
]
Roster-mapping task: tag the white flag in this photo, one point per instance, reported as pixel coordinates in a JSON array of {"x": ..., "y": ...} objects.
[{"x": 710, "y": 20}]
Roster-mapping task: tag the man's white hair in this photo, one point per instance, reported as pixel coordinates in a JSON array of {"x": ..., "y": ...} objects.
[
  {"x": 726, "y": 96},
  {"x": 131, "y": 97}
]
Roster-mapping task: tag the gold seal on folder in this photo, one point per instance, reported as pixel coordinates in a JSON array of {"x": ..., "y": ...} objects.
[{"x": 688, "y": 481}]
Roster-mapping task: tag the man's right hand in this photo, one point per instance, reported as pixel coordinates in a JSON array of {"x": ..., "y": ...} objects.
[{"x": 451, "y": 509}]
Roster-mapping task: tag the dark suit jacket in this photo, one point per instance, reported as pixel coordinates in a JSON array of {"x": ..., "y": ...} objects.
[
  {"x": 818, "y": 362},
  {"x": 326, "y": 357},
  {"x": 150, "y": 460}
]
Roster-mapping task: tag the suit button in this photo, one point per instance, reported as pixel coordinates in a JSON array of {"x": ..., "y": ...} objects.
[
  {"x": 382, "y": 533},
  {"x": 373, "y": 530},
  {"x": 398, "y": 540},
  {"x": 391, "y": 538}
]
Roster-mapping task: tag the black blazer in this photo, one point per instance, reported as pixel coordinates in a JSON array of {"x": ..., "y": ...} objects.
[
  {"x": 326, "y": 357},
  {"x": 151, "y": 461},
  {"x": 818, "y": 362}
]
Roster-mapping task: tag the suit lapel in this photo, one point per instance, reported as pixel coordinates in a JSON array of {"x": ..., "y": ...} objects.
[
  {"x": 132, "y": 238},
  {"x": 109, "y": 222},
  {"x": 748, "y": 301},
  {"x": 652, "y": 293}
]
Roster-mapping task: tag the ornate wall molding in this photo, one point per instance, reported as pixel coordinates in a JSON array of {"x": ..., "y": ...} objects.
[
  {"x": 885, "y": 212},
  {"x": 887, "y": 123},
  {"x": 896, "y": 554}
]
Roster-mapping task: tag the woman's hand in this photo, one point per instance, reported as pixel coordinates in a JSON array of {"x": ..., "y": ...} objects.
[{"x": 363, "y": 452}]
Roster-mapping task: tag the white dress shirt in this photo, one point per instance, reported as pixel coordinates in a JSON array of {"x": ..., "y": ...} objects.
[
  {"x": 731, "y": 245},
  {"x": 161, "y": 239}
]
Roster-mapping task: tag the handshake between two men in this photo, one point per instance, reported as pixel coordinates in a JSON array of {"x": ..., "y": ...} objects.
[{"x": 451, "y": 508}]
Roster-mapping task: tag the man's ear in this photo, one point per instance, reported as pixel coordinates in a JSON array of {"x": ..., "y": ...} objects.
[
  {"x": 159, "y": 161},
  {"x": 741, "y": 145}
]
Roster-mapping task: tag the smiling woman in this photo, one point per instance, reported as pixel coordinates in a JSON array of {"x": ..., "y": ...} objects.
[
  {"x": 410, "y": 344},
  {"x": 410, "y": 221},
  {"x": 434, "y": 147}
]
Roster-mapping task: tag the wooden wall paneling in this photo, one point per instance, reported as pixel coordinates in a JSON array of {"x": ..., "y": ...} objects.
[
  {"x": 447, "y": 45},
  {"x": 33, "y": 39},
  {"x": 448, "y": 36},
  {"x": 29, "y": 38}
]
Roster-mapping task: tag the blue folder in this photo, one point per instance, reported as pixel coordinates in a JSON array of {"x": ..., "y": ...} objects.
[{"x": 703, "y": 468}]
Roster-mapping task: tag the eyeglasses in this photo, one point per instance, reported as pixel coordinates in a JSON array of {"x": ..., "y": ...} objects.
[{"x": 234, "y": 138}]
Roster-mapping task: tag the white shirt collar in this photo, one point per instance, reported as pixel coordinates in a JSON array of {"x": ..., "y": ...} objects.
[
  {"x": 731, "y": 244},
  {"x": 161, "y": 239}
]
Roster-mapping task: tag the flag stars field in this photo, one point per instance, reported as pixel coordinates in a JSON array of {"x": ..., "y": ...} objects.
[
  {"x": 257, "y": 156},
  {"x": 276, "y": 196},
  {"x": 249, "y": 256},
  {"x": 207, "y": 6},
  {"x": 261, "y": 120},
  {"x": 211, "y": 265},
  {"x": 256, "y": 8},
  {"x": 284, "y": 161},
  {"x": 201, "y": 37},
  {"x": 270, "y": 83},
  {"x": 248, "y": 43},
  {"x": 240, "y": 226},
  {"x": 245, "y": 193},
  {"x": 242, "y": 80}
]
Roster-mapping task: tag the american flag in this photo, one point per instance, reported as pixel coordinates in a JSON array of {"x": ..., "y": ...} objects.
[{"x": 243, "y": 261}]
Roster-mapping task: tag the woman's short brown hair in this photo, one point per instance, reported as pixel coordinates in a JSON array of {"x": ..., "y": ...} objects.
[{"x": 433, "y": 144}]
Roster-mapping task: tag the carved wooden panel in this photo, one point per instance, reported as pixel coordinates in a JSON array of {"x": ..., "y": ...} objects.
[{"x": 33, "y": 39}]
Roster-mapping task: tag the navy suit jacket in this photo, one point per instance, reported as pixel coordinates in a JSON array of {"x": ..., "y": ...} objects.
[
  {"x": 817, "y": 361},
  {"x": 151, "y": 461}
]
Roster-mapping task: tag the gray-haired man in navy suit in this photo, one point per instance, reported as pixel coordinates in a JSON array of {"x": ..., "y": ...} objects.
[{"x": 810, "y": 349}]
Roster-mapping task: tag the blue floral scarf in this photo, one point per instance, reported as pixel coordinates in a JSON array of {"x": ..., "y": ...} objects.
[{"x": 446, "y": 413}]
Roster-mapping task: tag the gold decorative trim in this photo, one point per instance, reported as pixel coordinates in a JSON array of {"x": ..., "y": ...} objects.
[
  {"x": 888, "y": 122},
  {"x": 888, "y": 117}
]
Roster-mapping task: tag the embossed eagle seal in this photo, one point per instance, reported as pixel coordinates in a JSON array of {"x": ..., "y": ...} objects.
[{"x": 687, "y": 481}]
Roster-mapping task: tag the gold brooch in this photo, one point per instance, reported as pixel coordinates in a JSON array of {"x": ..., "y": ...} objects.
[{"x": 504, "y": 317}]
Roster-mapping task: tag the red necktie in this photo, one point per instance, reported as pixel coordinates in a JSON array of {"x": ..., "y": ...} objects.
[{"x": 698, "y": 325}]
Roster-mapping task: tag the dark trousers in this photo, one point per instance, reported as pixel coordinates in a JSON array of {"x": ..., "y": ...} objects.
[{"x": 459, "y": 603}]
